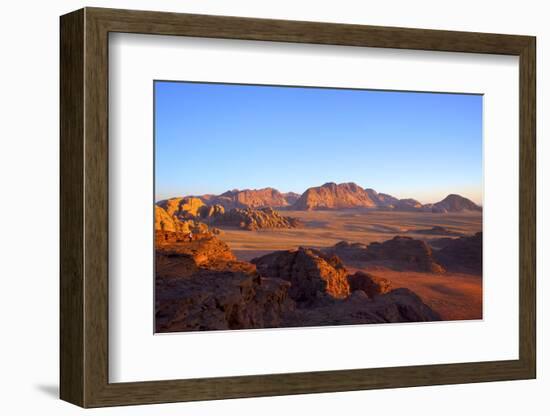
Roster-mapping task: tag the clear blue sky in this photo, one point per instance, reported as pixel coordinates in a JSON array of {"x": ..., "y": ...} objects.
[{"x": 213, "y": 137}]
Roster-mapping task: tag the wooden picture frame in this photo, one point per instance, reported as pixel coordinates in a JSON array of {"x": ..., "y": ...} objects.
[{"x": 84, "y": 207}]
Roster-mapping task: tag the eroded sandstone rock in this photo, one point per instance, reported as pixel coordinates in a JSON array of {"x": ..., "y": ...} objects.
[
  {"x": 255, "y": 219},
  {"x": 312, "y": 274}
]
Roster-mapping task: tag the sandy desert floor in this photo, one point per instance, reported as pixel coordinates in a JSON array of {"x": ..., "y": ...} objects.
[
  {"x": 454, "y": 296},
  {"x": 326, "y": 228}
]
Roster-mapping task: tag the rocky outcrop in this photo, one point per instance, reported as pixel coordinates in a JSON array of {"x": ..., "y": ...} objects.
[
  {"x": 399, "y": 305},
  {"x": 349, "y": 251},
  {"x": 463, "y": 255},
  {"x": 217, "y": 300},
  {"x": 368, "y": 283},
  {"x": 312, "y": 274},
  {"x": 401, "y": 253},
  {"x": 254, "y": 219},
  {"x": 182, "y": 208},
  {"x": 165, "y": 222},
  {"x": 334, "y": 196},
  {"x": 201, "y": 286},
  {"x": 455, "y": 203},
  {"x": 405, "y": 253},
  {"x": 179, "y": 255}
]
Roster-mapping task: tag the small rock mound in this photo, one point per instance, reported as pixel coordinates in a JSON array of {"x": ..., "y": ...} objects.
[
  {"x": 255, "y": 219},
  {"x": 402, "y": 253},
  {"x": 311, "y": 273},
  {"x": 437, "y": 230},
  {"x": 368, "y": 283},
  {"x": 349, "y": 251},
  {"x": 463, "y": 254},
  {"x": 406, "y": 252}
]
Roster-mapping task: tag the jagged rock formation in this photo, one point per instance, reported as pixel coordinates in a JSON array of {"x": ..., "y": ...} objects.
[
  {"x": 349, "y": 195},
  {"x": 250, "y": 198},
  {"x": 254, "y": 219},
  {"x": 368, "y": 283},
  {"x": 333, "y": 196},
  {"x": 200, "y": 286},
  {"x": 402, "y": 253},
  {"x": 455, "y": 203},
  {"x": 464, "y": 254},
  {"x": 312, "y": 274},
  {"x": 327, "y": 196}
]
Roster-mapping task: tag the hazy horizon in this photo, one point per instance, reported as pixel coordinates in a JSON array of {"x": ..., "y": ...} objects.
[
  {"x": 211, "y": 138},
  {"x": 417, "y": 197}
]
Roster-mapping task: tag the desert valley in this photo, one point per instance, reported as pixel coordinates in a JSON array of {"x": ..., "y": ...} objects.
[{"x": 335, "y": 254}]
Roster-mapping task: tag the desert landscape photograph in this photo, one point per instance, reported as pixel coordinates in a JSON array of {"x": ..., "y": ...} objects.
[{"x": 280, "y": 207}]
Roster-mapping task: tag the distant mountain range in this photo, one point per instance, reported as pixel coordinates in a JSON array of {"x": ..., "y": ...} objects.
[{"x": 330, "y": 196}]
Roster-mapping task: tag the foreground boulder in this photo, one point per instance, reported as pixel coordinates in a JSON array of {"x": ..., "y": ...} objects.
[
  {"x": 254, "y": 219},
  {"x": 217, "y": 300},
  {"x": 368, "y": 283},
  {"x": 399, "y": 305},
  {"x": 312, "y": 274},
  {"x": 463, "y": 255}
]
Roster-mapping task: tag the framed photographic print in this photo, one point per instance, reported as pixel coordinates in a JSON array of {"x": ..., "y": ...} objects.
[{"x": 255, "y": 207}]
